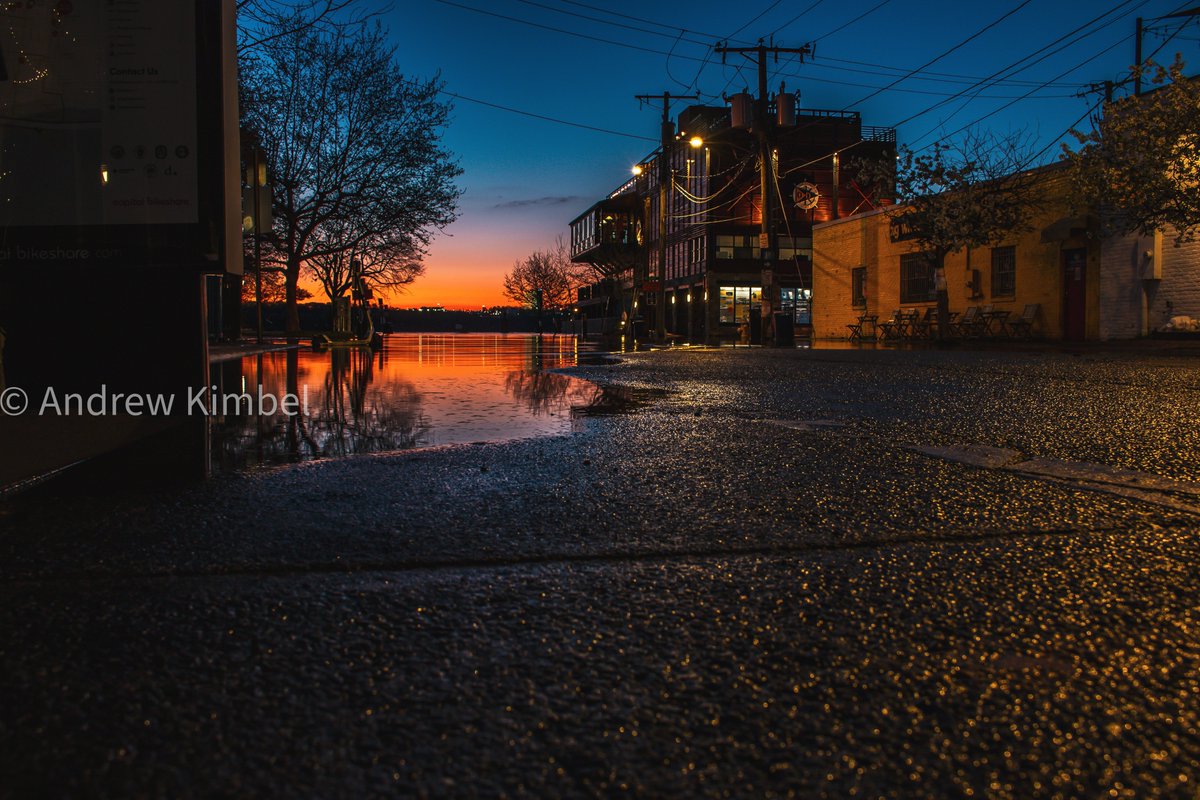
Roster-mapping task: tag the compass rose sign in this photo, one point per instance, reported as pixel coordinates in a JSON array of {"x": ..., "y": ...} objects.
[{"x": 806, "y": 195}]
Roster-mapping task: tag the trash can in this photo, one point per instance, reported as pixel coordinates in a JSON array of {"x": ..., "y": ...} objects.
[{"x": 785, "y": 330}]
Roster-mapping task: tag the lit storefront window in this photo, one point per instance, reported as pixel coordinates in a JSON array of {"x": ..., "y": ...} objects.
[
  {"x": 738, "y": 302},
  {"x": 798, "y": 303}
]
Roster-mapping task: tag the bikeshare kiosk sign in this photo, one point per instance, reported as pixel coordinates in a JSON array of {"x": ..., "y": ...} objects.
[{"x": 98, "y": 128}]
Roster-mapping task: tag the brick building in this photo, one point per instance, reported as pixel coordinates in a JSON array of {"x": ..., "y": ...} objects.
[
  {"x": 714, "y": 264},
  {"x": 1086, "y": 287}
]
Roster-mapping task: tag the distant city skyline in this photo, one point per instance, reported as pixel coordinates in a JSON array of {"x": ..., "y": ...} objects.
[{"x": 564, "y": 61}]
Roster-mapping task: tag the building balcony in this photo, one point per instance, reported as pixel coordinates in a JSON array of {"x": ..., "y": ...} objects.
[{"x": 609, "y": 234}]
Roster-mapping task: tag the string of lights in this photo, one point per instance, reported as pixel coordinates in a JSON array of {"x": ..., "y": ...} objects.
[{"x": 741, "y": 167}]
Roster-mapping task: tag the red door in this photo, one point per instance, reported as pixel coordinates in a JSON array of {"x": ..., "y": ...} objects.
[{"x": 1074, "y": 294}]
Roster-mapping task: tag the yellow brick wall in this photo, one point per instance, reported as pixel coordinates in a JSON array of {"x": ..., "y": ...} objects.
[{"x": 864, "y": 240}]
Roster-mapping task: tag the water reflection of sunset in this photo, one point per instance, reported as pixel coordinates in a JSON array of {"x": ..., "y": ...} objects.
[{"x": 421, "y": 390}]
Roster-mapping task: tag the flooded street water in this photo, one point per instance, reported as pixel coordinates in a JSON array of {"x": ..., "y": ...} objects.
[{"x": 421, "y": 390}]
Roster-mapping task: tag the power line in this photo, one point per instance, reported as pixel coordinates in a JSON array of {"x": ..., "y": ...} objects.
[
  {"x": 845, "y": 25},
  {"x": 544, "y": 117},
  {"x": 1015, "y": 64},
  {"x": 995, "y": 111},
  {"x": 925, "y": 75},
  {"x": 756, "y": 18},
  {"x": 560, "y": 30},
  {"x": 1012, "y": 68},
  {"x": 1058, "y": 138},
  {"x": 676, "y": 37},
  {"x": 798, "y": 16},
  {"x": 937, "y": 58}
]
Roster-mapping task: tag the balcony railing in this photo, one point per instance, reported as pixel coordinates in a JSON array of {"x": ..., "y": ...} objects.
[{"x": 875, "y": 133}]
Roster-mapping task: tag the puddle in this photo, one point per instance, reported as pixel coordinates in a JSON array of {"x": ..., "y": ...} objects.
[
  {"x": 421, "y": 390},
  {"x": 619, "y": 400}
]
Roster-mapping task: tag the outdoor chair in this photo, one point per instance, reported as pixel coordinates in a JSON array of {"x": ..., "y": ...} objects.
[
  {"x": 908, "y": 320},
  {"x": 925, "y": 325},
  {"x": 1023, "y": 325},
  {"x": 971, "y": 323},
  {"x": 893, "y": 327},
  {"x": 856, "y": 328}
]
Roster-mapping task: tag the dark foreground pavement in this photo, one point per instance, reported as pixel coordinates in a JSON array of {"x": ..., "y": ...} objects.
[{"x": 796, "y": 572}]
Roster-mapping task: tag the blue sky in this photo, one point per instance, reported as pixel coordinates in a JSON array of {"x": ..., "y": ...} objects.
[{"x": 583, "y": 61}]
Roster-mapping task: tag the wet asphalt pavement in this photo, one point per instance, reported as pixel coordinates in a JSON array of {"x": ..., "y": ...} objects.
[{"x": 792, "y": 572}]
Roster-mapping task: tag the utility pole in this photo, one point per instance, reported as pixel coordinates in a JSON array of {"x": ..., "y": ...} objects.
[
  {"x": 667, "y": 131},
  {"x": 1137, "y": 60},
  {"x": 1137, "y": 47},
  {"x": 762, "y": 129}
]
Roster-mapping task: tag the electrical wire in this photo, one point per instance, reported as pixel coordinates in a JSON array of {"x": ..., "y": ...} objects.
[
  {"x": 544, "y": 117},
  {"x": 756, "y": 18},
  {"x": 1013, "y": 67},
  {"x": 576, "y": 34},
  {"x": 945, "y": 53},
  {"x": 797, "y": 17},
  {"x": 845, "y": 25},
  {"x": 696, "y": 200},
  {"x": 615, "y": 24},
  {"x": 926, "y": 75},
  {"x": 1012, "y": 102}
]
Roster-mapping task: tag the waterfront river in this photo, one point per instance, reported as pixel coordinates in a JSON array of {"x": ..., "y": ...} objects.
[{"x": 421, "y": 390}]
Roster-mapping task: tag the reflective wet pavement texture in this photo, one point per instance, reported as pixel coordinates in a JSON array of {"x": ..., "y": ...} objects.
[
  {"x": 418, "y": 390},
  {"x": 688, "y": 599}
]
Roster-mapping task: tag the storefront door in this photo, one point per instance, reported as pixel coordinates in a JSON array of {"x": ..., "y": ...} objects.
[{"x": 1074, "y": 294}]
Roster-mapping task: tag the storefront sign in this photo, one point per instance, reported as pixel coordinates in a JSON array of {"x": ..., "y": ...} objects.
[{"x": 99, "y": 113}]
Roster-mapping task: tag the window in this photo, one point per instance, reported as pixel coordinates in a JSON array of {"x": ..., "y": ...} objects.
[
  {"x": 736, "y": 247},
  {"x": 916, "y": 279},
  {"x": 1004, "y": 271},
  {"x": 739, "y": 302},
  {"x": 792, "y": 246},
  {"x": 858, "y": 287},
  {"x": 798, "y": 303}
]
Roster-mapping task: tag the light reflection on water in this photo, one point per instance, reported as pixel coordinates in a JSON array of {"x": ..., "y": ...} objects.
[{"x": 421, "y": 390}]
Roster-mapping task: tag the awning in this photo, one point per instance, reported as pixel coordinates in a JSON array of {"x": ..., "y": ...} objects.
[{"x": 1067, "y": 228}]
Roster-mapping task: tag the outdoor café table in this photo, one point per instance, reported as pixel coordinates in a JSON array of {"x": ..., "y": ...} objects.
[
  {"x": 869, "y": 319},
  {"x": 856, "y": 328},
  {"x": 951, "y": 324},
  {"x": 990, "y": 317}
]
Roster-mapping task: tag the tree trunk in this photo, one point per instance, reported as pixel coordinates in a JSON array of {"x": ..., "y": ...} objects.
[
  {"x": 943, "y": 298},
  {"x": 291, "y": 283}
]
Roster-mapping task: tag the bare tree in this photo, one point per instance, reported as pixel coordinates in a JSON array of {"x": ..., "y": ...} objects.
[
  {"x": 353, "y": 147},
  {"x": 388, "y": 260},
  {"x": 272, "y": 287},
  {"x": 545, "y": 279},
  {"x": 260, "y": 21},
  {"x": 971, "y": 193}
]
